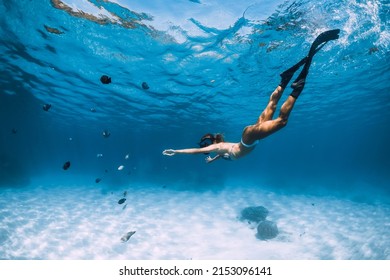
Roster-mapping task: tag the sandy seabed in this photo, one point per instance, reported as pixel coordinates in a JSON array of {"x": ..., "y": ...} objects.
[{"x": 86, "y": 222}]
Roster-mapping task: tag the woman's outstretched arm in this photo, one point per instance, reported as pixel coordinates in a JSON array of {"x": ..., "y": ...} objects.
[{"x": 208, "y": 149}]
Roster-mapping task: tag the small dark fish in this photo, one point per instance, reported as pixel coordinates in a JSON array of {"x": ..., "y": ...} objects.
[
  {"x": 66, "y": 165},
  {"x": 121, "y": 201},
  {"x": 127, "y": 236},
  {"x": 312, "y": 204},
  {"x": 53, "y": 30},
  {"x": 14, "y": 131},
  {"x": 124, "y": 207},
  {"x": 124, "y": 193},
  {"x": 93, "y": 110},
  {"x": 106, "y": 134},
  {"x": 164, "y": 186},
  {"x": 105, "y": 79},
  {"x": 98, "y": 180},
  {"x": 373, "y": 50},
  {"x": 46, "y": 107},
  {"x": 145, "y": 86}
]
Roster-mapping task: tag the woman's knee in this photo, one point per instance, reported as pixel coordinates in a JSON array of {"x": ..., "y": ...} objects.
[{"x": 282, "y": 121}]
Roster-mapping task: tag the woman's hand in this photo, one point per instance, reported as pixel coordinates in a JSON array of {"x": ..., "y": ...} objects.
[
  {"x": 209, "y": 159},
  {"x": 169, "y": 152}
]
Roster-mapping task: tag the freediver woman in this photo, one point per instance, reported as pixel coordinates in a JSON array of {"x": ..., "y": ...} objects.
[{"x": 265, "y": 124}]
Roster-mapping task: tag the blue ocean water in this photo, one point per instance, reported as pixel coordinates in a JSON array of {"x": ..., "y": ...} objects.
[{"x": 210, "y": 67}]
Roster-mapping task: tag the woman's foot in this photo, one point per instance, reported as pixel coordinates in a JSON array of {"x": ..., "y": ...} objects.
[
  {"x": 298, "y": 87},
  {"x": 289, "y": 73}
]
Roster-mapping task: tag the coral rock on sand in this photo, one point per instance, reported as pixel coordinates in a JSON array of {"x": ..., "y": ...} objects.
[
  {"x": 254, "y": 214},
  {"x": 267, "y": 230}
]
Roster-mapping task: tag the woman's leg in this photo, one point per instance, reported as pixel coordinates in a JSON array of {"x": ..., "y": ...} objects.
[
  {"x": 269, "y": 111},
  {"x": 266, "y": 125},
  {"x": 263, "y": 129},
  {"x": 286, "y": 76}
]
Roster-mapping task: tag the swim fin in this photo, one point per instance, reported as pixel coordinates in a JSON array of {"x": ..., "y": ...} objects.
[
  {"x": 298, "y": 86},
  {"x": 287, "y": 75},
  {"x": 323, "y": 38},
  {"x": 318, "y": 44}
]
